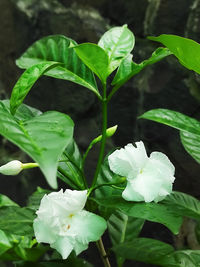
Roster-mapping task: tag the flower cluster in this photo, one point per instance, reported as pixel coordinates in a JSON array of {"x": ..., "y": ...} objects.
[{"x": 148, "y": 178}]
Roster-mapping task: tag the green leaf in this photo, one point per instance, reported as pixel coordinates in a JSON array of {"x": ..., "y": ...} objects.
[
  {"x": 43, "y": 137},
  {"x": 95, "y": 58},
  {"x": 26, "y": 81},
  {"x": 155, "y": 212},
  {"x": 35, "y": 199},
  {"x": 23, "y": 248},
  {"x": 118, "y": 42},
  {"x": 69, "y": 167},
  {"x": 186, "y": 50},
  {"x": 191, "y": 143},
  {"x": 174, "y": 119},
  {"x": 16, "y": 220},
  {"x": 144, "y": 249},
  {"x": 122, "y": 229},
  {"x": 182, "y": 258},
  {"x": 183, "y": 204},
  {"x": 5, "y": 201},
  {"x": 128, "y": 68},
  {"x": 59, "y": 48},
  {"x": 5, "y": 243}
]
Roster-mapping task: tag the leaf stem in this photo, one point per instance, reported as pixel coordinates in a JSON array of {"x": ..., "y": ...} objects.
[
  {"x": 103, "y": 140},
  {"x": 103, "y": 253},
  {"x": 123, "y": 179}
]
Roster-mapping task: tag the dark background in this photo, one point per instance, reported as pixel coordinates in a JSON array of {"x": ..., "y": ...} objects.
[{"x": 164, "y": 85}]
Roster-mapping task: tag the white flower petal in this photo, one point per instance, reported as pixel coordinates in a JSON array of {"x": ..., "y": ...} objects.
[
  {"x": 137, "y": 155},
  {"x": 63, "y": 245},
  {"x": 60, "y": 204},
  {"x": 148, "y": 179},
  {"x": 161, "y": 161},
  {"x": 88, "y": 226},
  {"x": 43, "y": 232},
  {"x": 121, "y": 164},
  {"x": 130, "y": 194},
  {"x": 79, "y": 247},
  {"x": 75, "y": 199}
]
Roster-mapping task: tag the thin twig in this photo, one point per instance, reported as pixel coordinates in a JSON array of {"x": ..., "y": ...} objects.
[{"x": 103, "y": 253}]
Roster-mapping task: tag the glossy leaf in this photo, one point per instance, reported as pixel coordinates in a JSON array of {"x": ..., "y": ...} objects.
[
  {"x": 186, "y": 50},
  {"x": 144, "y": 249},
  {"x": 118, "y": 42},
  {"x": 59, "y": 48},
  {"x": 16, "y": 220},
  {"x": 128, "y": 68},
  {"x": 181, "y": 258},
  {"x": 174, "y": 119},
  {"x": 41, "y": 147},
  {"x": 191, "y": 143},
  {"x": 154, "y": 212},
  {"x": 26, "y": 81},
  {"x": 183, "y": 204},
  {"x": 122, "y": 229},
  {"x": 95, "y": 58}
]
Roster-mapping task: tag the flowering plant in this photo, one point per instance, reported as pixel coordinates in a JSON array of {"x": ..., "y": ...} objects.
[{"x": 127, "y": 188}]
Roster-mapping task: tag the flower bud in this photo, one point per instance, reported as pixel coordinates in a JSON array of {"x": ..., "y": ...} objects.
[{"x": 11, "y": 168}]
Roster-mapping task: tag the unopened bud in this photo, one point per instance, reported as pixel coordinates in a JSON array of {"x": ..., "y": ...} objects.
[
  {"x": 14, "y": 167},
  {"x": 11, "y": 168}
]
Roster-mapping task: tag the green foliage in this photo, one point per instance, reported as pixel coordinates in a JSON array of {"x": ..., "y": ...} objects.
[
  {"x": 48, "y": 139},
  {"x": 174, "y": 119},
  {"x": 128, "y": 68},
  {"x": 118, "y": 42},
  {"x": 183, "y": 204},
  {"x": 26, "y": 81},
  {"x": 186, "y": 50},
  {"x": 95, "y": 58},
  {"x": 35, "y": 198},
  {"x": 69, "y": 167},
  {"x": 6, "y": 201},
  {"x": 16, "y": 220},
  {"x": 42, "y": 148},
  {"x": 189, "y": 128},
  {"x": 122, "y": 229},
  {"x": 58, "y": 48},
  {"x": 144, "y": 249},
  {"x": 155, "y": 212},
  {"x": 191, "y": 143}
]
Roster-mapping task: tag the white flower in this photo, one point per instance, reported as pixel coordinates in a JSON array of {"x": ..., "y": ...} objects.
[
  {"x": 148, "y": 178},
  {"x": 11, "y": 168},
  {"x": 64, "y": 224}
]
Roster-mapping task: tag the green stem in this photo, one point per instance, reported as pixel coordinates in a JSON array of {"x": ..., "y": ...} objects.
[
  {"x": 29, "y": 165},
  {"x": 103, "y": 140},
  {"x": 123, "y": 179},
  {"x": 114, "y": 90}
]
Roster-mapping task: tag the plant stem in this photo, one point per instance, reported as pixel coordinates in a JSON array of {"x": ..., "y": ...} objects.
[
  {"x": 103, "y": 140},
  {"x": 103, "y": 253}
]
